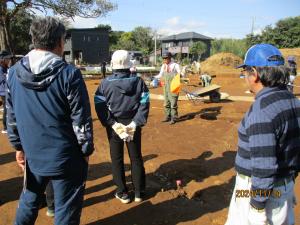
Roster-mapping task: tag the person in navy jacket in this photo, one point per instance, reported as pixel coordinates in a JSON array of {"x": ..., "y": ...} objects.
[
  {"x": 50, "y": 125},
  {"x": 5, "y": 62},
  {"x": 122, "y": 106}
]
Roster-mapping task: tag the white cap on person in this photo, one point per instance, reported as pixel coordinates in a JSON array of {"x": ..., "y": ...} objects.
[{"x": 120, "y": 60}]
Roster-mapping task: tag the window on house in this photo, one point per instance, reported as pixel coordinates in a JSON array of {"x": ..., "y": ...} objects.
[
  {"x": 185, "y": 44},
  {"x": 83, "y": 37},
  {"x": 89, "y": 38}
]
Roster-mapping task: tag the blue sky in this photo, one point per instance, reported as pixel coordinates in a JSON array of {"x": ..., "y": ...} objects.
[{"x": 214, "y": 18}]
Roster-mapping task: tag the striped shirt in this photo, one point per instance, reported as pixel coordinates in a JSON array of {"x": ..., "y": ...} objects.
[{"x": 269, "y": 140}]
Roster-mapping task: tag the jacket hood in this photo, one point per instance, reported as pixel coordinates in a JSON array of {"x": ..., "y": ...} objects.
[
  {"x": 124, "y": 82},
  {"x": 38, "y": 69}
]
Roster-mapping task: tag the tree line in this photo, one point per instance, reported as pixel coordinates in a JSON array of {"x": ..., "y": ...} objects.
[
  {"x": 15, "y": 21},
  {"x": 12, "y": 13},
  {"x": 139, "y": 39},
  {"x": 284, "y": 34}
]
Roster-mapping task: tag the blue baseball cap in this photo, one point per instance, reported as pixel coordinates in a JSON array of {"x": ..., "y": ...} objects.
[{"x": 263, "y": 55}]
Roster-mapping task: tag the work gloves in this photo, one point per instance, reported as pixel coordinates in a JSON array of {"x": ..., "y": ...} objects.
[
  {"x": 130, "y": 129},
  {"x": 257, "y": 217},
  {"x": 126, "y": 133},
  {"x": 120, "y": 130}
]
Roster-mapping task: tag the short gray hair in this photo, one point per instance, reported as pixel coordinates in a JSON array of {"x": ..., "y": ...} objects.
[
  {"x": 46, "y": 32},
  {"x": 273, "y": 76}
]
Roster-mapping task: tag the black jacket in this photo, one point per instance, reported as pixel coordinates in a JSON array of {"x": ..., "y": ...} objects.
[{"x": 122, "y": 95}]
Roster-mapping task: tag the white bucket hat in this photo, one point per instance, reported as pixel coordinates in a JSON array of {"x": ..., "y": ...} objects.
[{"x": 120, "y": 60}]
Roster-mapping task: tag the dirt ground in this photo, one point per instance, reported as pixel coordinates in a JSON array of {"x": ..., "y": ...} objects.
[{"x": 199, "y": 150}]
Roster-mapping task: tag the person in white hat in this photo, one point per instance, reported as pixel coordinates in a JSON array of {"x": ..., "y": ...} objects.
[{"x": 122, "y": 106}]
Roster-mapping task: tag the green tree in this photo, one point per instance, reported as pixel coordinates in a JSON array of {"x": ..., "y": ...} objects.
[
  {"x": 66, "y": 8},
  {"x": 125, "y": 42},
  {"x": 252, "y": 39},
  {"x": 143, "y": 39},
  {"x": 197, "y": 49},
  {"x": 114, "y": 36},
  {"x": 285, "y": 34},
  {"x": 19, "y": 31},
  {"x": 140, "y": 39}
]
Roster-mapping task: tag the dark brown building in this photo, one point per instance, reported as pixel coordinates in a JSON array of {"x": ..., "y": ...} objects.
[{"x": 88, "y": 45}]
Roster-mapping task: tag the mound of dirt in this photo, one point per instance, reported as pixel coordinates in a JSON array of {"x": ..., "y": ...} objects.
[
  {"x": 292, "y": 51},
  {"x": 221, "y": 63}
]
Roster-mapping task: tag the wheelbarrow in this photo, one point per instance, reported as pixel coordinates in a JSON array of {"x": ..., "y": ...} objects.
[{"x": 198, "y": 95}]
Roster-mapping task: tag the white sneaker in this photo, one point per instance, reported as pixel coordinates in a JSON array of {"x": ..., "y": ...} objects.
[
  {"x": 139, "y": 197},
  {"x": 50, "y": 213},
  {"x": 123, "y": 197},
  {"x": 4, "y": 131}
]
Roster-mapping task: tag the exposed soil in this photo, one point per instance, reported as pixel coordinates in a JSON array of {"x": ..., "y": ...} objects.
[
  {"x": 225, "y": 62},
  {"x": 292, "y": 52},
  {"x": 199, "y": 150}
]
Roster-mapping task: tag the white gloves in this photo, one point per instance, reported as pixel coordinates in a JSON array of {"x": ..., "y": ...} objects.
[
  {"x": 120, "y": 130},
  {"x": 257, "y": 217},
  {"x": 126, "y": 133},
  {"x": 130, "y": 129}
]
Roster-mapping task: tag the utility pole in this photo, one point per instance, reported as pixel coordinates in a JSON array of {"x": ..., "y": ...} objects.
[
  {"x": 155, "y": 36},
  {"x": 252, "y": 27}
]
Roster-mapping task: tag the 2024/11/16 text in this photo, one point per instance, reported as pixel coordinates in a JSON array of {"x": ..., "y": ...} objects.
[{"x": 254, "y": 193}]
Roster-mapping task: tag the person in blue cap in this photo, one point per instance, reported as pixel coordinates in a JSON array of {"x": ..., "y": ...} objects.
[{"x": 267, "y": 160}]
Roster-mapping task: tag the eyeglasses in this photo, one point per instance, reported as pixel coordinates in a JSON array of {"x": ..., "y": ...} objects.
[{"x": 248, "y": 69}]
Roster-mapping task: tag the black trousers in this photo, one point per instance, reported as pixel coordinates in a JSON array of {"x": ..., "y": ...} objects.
[
  {"x": 136, "y": 160},
  {"x": 50, "y": 196},
  {"x": 4, "y": 112}
]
